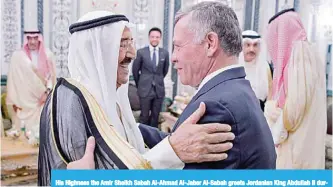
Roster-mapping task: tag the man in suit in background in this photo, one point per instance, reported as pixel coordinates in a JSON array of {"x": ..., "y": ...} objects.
[
  {"x": 149, "y": 69},
  {"x": 207, "y": 43}
]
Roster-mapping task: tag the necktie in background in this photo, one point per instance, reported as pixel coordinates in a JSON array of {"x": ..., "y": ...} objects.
[{"x": 154, "y": 58}]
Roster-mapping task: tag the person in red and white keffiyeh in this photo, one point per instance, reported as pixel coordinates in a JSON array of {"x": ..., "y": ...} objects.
[
  {"x": 31, "y": 76},
  {"x": 296, "y": 112}
]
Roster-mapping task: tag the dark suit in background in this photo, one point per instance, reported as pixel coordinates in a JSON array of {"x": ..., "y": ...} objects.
[
  {"x": 229, "y": 99},
  {"x": 149, "y": 79}
]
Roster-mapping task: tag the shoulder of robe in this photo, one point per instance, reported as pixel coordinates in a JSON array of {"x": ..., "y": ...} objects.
[
  {"x": 68, "y": 86},
  {"x": 17, "y": 56},
  {"x": 18, "y": 53},
  {"x": 67, "y": 93}
]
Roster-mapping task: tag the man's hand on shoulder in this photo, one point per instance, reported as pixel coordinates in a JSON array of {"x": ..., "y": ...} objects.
[{"x": 195, "y": 143}]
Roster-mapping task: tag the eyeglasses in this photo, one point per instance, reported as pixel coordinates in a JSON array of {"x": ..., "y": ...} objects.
[{"x": 126, "y": 43}]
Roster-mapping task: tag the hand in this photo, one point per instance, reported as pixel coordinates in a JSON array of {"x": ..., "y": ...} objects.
[
  {"x": 87, "y": 161},
  {"x": 42, "y": 99},
  {"x": 194, "y": 143},
  {"x": 272, "y": 112},
  {"x": 16, "y": 108}
]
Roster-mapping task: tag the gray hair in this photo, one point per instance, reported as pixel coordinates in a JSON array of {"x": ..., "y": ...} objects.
[{"x": 215, "y": 17}]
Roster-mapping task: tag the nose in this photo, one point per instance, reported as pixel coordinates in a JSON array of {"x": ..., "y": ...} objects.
[
  {"x": 173, "y": 57},
  {"x": 34, "y": 42},
  {"x": 131, "y": 51}
]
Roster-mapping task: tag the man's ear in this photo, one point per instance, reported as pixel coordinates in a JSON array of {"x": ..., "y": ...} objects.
[{"x": 212, "y": 43}]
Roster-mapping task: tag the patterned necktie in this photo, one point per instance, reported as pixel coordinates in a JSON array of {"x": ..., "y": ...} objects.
[{"x": 154, "y": 58}]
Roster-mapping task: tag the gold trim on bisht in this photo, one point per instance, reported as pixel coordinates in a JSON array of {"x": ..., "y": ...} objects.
[
  {"x": 270, "y": 83},
  {"x": 122, "y": 149}
]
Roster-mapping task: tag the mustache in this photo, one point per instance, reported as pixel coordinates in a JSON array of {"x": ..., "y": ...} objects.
[
  {"x": 127, "y": 60},
  {"x": 251, "y": 52}
]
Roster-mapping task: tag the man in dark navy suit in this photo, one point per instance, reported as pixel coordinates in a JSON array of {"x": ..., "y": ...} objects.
[
  {"x": 149, "y": 69},
  {"x": 207, "y": 41}
]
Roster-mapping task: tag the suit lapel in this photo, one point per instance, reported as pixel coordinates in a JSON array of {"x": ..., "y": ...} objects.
[
  {"x": 224, "y": 76},
  {"x": 160, "y": 57}
]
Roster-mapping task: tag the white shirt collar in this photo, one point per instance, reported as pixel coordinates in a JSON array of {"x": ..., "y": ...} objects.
[
  {"x": 215, "y": 73},
  {"x": 34, "y": 57},
  {"x": 151, "y": 48}
]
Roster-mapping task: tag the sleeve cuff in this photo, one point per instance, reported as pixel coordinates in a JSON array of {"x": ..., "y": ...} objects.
[
  {"x": 49, "y": 84},
  {"x": 162, "y": 156},
  {"x": 280, "y": 133}
]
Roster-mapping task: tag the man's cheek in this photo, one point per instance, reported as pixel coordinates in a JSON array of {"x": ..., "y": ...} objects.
[
  {"x": 121, "y": 57},
  {"x": 131, "y": 54}
]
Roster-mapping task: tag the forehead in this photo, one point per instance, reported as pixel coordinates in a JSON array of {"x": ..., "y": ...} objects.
[
  {"x": 181, "y": 30},
  {"x": 32, "y": 36},
  {"x": 127, "y": 34},
  {"x": 155, "y": 33},
  {"x": 251, "y": 41}
]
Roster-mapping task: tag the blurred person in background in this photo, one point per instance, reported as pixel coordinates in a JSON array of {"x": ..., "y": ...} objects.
[
  {"x": 296, "y": 112},
  {"x": 149, "y": 69},
  {"x": 31, "y": 77}
]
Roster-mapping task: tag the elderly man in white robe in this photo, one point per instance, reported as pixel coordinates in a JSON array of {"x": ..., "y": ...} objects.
[
  {"x": 256, "y": 66},
  {"x": 94, "y": 102},
  {"x": 31, "y": 76}
]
